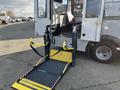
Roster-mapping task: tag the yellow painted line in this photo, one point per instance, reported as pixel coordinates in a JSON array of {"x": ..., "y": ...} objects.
[
  {"x": 34, "y": 83},
  {"x": 20, "y": 87},
  {"x": 30, "y": 85}
]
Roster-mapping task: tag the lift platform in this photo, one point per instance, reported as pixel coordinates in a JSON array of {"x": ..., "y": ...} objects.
[{"x": 46, "y": 74}]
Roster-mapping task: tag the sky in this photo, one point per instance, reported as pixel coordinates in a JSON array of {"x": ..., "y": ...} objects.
[{"x": 20, "y": 7}]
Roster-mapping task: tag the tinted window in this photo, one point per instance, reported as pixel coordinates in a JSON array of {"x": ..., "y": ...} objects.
[
  {"x": 77, "y": 7},
  {"x": 112, "y": 9},
  {"x": 42, "y": 8},
  {"x": 93, "y": 8}
]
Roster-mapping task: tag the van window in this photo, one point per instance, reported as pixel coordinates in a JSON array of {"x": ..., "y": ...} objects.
[
  {"x": 112, "y": 8},
  {"x": 93, "y": 8},
  {"x": 42, "y": 8},
  {"x": 77, "y": 6}
]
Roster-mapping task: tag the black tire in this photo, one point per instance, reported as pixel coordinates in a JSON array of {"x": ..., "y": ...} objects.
[
  {"x": 111, "y": 47},
  {"x": 4, "y": 22}
]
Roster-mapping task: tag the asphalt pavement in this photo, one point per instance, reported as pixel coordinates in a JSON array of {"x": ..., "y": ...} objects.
[{"x": 16, "y": 57}]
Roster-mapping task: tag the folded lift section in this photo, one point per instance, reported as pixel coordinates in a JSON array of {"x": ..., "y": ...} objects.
[{"x": 46, "y": 75}]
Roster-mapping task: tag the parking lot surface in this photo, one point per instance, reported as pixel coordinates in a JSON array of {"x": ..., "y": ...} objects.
[{"x": 16, "y": 57}]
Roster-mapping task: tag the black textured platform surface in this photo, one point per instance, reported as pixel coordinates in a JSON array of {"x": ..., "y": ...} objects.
[{"x": 47, "y": 73}]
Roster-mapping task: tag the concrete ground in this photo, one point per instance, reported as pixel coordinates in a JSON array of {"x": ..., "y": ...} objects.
[{"x": 16, "y": 57}]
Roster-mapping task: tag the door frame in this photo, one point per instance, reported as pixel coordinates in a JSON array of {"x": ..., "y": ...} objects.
[
  {"x": 41, "y": 22},
  {"x": 99, "y": 21}
]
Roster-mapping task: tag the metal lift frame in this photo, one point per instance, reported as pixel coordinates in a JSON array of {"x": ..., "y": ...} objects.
[{"x": 46, "y": 75}]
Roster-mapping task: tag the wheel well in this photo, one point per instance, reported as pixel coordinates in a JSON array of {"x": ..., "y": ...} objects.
[
  {"x": 112, "y": 39},
  {"x": 89, "y": 47},
  {"x": 103, "y": 38}
]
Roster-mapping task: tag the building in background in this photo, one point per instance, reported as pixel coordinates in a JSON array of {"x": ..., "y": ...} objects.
[
  {"x": 7, "y": 16},
  {"x": 9, "y": 13},
  {"x": 2, "y": 13}
]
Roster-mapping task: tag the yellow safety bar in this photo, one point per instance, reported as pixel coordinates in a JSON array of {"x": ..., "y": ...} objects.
[
  {"x": 35, "y": 44},
  {"x": 65, "y": 46},
  {"x": 26, "y": 84},
  {"x": 20, "y": 87},
  {"x": 41, "y": 45}
]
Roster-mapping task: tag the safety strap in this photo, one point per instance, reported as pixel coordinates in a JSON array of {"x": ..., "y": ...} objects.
[
  {"x": 39, "y": 61},
  {"x": 43, "y": 57},
  {"x": 36, "y": 51},
  {"x": 36, "y": 44},
  {"x": 32, "y": 45}
]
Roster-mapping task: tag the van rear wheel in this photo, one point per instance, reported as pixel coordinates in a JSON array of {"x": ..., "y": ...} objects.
[{"x": 104, "y": 51}]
